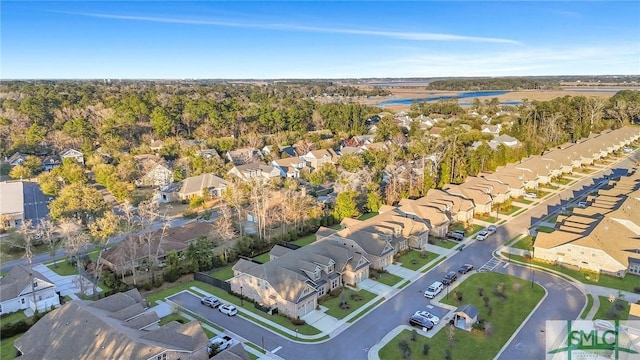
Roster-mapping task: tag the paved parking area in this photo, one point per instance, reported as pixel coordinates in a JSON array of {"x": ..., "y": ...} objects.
[{"x": 36, "y": 204}]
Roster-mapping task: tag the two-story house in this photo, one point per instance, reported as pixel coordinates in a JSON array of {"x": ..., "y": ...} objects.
[{"x": 23, "y": 289}]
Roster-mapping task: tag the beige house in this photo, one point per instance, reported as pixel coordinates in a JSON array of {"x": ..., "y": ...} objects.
[
  {"x": 480, "y": 195},
  {"x": 116, "y": 327},
  {"x": 317, "y": 158},
  {"x": 11, "y": 204},
  {"x": 602, "y": 237},
  {"x": 436, "y": 219},
  {"x": 289, "y": 167},
  {"x": 192, "y": 186},
  {"x": 293, "y": 280}
]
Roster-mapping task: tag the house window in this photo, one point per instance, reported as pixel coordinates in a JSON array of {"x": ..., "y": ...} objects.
[
  {"x": 35, "y": 284},
  {"x": 22, "y": 301}
]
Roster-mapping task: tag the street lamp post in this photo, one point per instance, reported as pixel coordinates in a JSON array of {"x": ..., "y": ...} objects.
[
  {"x": 241, "y": 297},
  {"x": 296, "y": 333}
]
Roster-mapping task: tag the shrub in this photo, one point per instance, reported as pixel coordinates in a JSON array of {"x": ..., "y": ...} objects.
[
  {"x": 425, "y": 349},
  {"x": 298, "y": 322},
  {"x": 414, "y": 335}
]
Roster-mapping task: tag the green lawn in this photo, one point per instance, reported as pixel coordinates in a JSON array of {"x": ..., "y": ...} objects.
[
  {"x": 545, "y": 229},
  {"x": 549, "y": 186},
  {"x": 334, "y": 303},
  {"x": 487, "y": 218},
  {"x": 7, "y": 350},
  {"x": 523, "y": 244},
  {"x": 224, "y": 273},
  {"x": 63, "y": 268},
  {"x": 388, "y": 279},
  {"x": 12, "y": 317},
  {"x": 445, "y": 243},
  {"x": 552, "y": 219},
  {"x": 367, "y": 216},
  {"x": 523, "y": 201},
  {"x": 506, "y": 316},
  {"x": 404, "y": 284},
  {"x": 608, "y": 311},
  {"x": 542, "y": 194},
  {"x": 173, "y": 317},
  {"x": 564, "y": 181},
  {"x": 628, "y": 283},
  {"x": 588, "y": 307},
  {"x": 413, "y": 261},
  {"x": 509, "y": 210},
  {"x": 263, "y": 258},
  {"x": 306, "y": 240},
  {"x": 365, "y": 310}
]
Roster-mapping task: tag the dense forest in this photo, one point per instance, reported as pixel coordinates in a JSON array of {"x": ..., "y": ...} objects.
[
  {"x": 481, "y": 84},
  {"x": 123, "y": 118}
]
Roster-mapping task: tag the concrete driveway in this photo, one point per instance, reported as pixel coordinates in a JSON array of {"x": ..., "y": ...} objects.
[{"x": 66, "y": 285}]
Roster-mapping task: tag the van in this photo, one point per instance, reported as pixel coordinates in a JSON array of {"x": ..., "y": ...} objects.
[{"x": 434, "y": 290}]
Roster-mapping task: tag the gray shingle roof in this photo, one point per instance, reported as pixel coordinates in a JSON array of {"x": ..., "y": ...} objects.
[{"x": 17, "y": 280}]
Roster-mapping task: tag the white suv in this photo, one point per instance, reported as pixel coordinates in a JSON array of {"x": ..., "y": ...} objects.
[{"x": 434, "y": 290}]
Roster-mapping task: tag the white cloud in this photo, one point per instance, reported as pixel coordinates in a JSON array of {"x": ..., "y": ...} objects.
[{"x": 415, "y": 36}]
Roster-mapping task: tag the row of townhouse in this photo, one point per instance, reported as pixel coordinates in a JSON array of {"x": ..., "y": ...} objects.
[
  {"x": 603, "y": 237},
  {"x": 293, "y": 280},
  {"x": 49, "y": 162}
]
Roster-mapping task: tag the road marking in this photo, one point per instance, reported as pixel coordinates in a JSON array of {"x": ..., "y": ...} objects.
[
  {"x": 429, "y": 306},
  {"x": 276, "y": 349},
  {"x": 505, "y": 265}
]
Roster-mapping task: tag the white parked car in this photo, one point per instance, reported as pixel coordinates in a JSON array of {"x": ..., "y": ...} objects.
[
  {"x": 429, "y": 316},
  {"x": 482, "y": 235},
  {"x": 228, "y": 309},
  {"x": 531, "y": 195},
  {"x": 582, "y": 204}
]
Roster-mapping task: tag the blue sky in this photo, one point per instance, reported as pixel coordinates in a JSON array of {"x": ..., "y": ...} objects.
[{"x": 316, "y": 39}]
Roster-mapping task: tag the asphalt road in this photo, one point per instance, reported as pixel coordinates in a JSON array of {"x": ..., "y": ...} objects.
[{"x": 564, "y": 301}]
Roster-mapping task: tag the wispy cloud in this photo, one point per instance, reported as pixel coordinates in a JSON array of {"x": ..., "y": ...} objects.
[
  {"x": 415, "y": 36},
  {"x": 566, "y": 13}
]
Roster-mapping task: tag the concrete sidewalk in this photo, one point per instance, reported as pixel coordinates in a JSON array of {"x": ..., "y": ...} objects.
[{"x": 66, "y": 285}]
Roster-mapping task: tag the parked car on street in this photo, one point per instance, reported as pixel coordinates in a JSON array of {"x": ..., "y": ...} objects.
[
  {"x": 531, "y": 195},
  {"x": 210, "y": 301},
  {"x": 582, "y": 204},
  {"x": 482, "y": 235},
  {"x": 491, "y": 229},
  {"x": 450, "y": 277},
  {"x": 228, "y": 309},
  {"x": 420, "y": 321},
  {"x": 433, "y": 290},
  {"x": 465, "y": 268},
  {"x": 429, "y": 316}
]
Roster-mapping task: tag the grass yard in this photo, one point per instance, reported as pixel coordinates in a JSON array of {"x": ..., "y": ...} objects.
[
  {"x": 628, "y": 283},
  {"x": 505, "y": 317},
  {"x": 523, "y": 244},
  {"x": 165, "y": 293},
  {"x": 263, "y": 258},
  {"x": 387, "y": 279},
  {"x": 306, "y": 240},
  {"x": 509, "y": 210},
  {"x": 224, "y": 273},
  {"x": 523, "y": 201},
  {"x": 12, "y": 317},
  {"x": 173, "y": 317},
  {"x": 413, "y": 260},
  {"x": 542, "y": 194},
  {"x": 7, "y": 350},
  {"x": 563, "y": 181},
  {"x": 367, "y": 216},
  {"x": 334, "y": 303},
  {"x": 545, "y": 229},
  {"x": 445, "y": 243},
  {"x": 609, "y": 311},
  {"x": 63, "y": 268},
  {"x": 552, "y": 219},
  {"x": 587, "y": 308},
  {"x": 487, "y": 218}
]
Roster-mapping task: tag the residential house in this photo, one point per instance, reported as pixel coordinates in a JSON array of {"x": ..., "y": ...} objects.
[
  {"x": 317, "y": 158},
  {"x": 293, "y": 280},
  {"x": 377, "y": 146},
  {"x": 72, "y": 154},
  {"x": 506, "y": 140},
  {"x": 347, "y": 150},
  {"x": 156, "y": 145},
  {"x": 137, "y": 251},
  {"x": 51, "y": 162},
  {"x": 255, "y": 171},
  {"x": 12, "y": 204},
  {"x": 116, "y": 327},
  {"x": 514, "y": 181},
  {"x": 23, "y": 289},
  {"x": 207, "y": 153},
  {"x": 435, "y": 131},
  {"x": 499, "y": 192},
  {"x": 363, "y": 139},
  {"x": 159, "y": 175},
  {"x": 289, "y": 166},
  {"x": 244, "y": 156},
  {"x": 480, "y": 195},
  {"x": 17, "y": 158},
  {"x": 491, "y": 129},
  {"x": 460, "y": 208},
  {"x": 602, "y": 237},
  {"x": 436, "y": 219},
  {"x": 193, "y": 186}
]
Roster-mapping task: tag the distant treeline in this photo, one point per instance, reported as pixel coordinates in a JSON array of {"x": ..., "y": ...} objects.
[{"x": 481, "y": 84}]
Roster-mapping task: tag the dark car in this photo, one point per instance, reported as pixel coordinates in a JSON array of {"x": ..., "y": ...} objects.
[
  {"x": 420, "y": 321},
  {"x": 449, "y": 278},
  {"x": 465, "y": 268}
]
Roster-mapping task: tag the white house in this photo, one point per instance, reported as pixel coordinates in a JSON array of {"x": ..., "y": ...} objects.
[
  {"x": 18, "y": 287},
  {"x": 73, "y": 154}
]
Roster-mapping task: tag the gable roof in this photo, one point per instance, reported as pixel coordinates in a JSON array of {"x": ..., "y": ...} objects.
[
  {"x": 468, "y": 309},
  {"x": 18, "y": 279},
  {"x": 78, "y": 330},
  {"x": 198, "y": 183}
]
